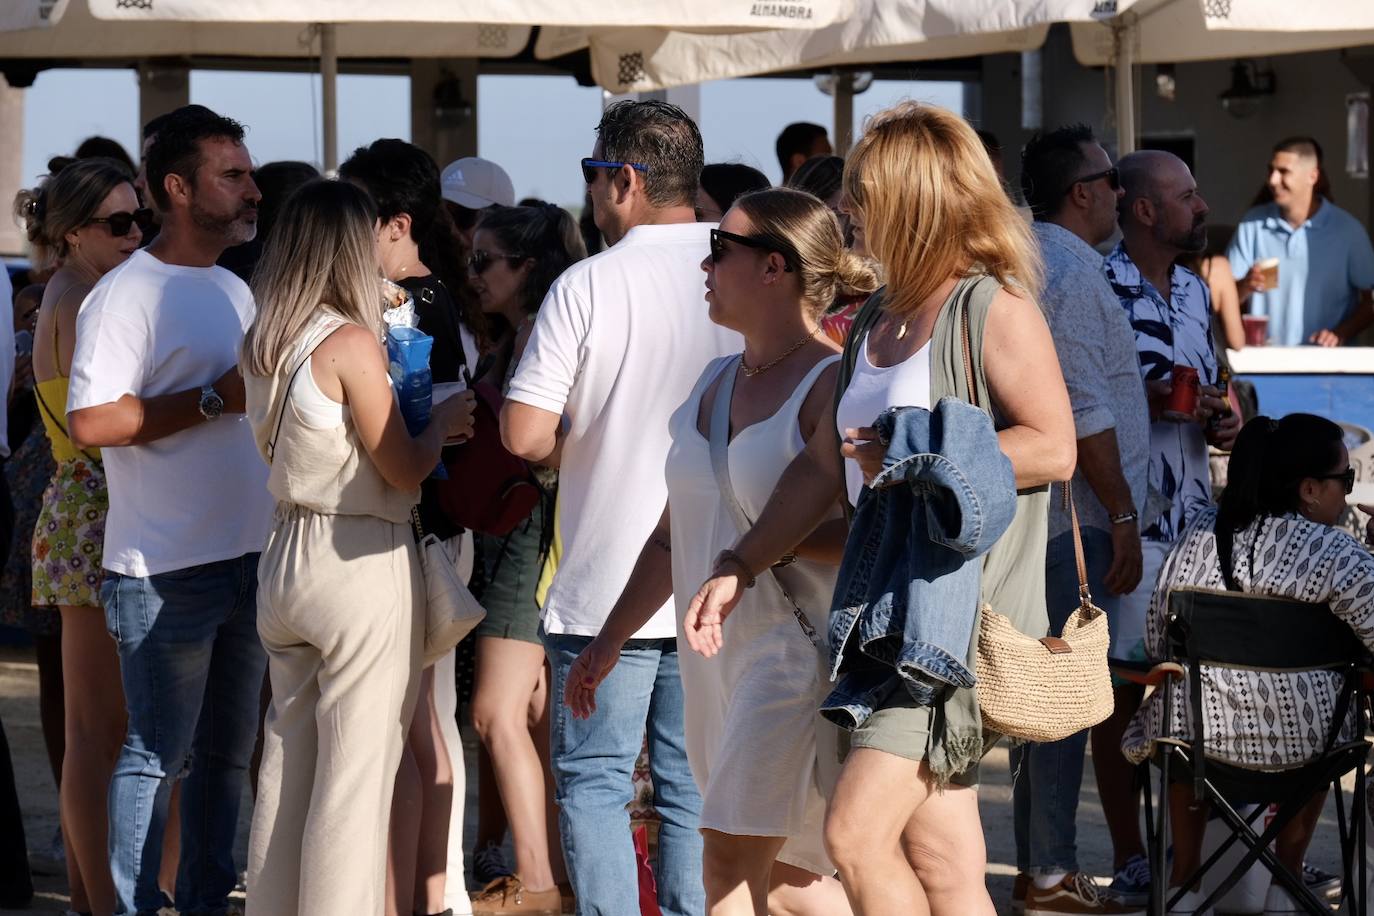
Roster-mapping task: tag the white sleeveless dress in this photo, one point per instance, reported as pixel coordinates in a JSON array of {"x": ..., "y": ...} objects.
[{"x": 752, "y": 730}]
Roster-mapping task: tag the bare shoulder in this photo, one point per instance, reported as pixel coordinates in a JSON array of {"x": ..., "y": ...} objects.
[
  {"x": 818, "y": 407},
  {"x": 68, "y": 299},
  {"x": 1012, "y": 314},
  {"x": 349, "y": 342}
]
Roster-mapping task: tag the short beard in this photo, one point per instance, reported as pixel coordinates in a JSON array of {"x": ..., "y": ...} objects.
[{"x": 232, "y": 230}]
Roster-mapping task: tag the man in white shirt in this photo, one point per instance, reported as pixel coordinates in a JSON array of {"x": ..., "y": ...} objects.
[
  {"x": 155, "y": 384},
  {"x": 618, "y": 344}
]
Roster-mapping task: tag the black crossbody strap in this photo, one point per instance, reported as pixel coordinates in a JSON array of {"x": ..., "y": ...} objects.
[
  {"x": 59, "y": 424},
  {"x": 310, "y": 348}
]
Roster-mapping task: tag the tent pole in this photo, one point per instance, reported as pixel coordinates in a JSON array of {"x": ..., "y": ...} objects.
[
  {"x": 844, "y": 112},
  {"x": 329, "y": 95},
  {"x": 1125, "y": 89}
]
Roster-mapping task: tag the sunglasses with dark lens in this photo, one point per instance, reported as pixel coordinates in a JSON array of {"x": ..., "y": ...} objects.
[
  {"x": 1113, "y": 176},
  {"x": 762, "y": 242},
  {"x": 589, "y": 167},
  {"x": 480, "y": 260},
  {"x": 120, "y": 223},
  {"x": 1346, "y": 477}
]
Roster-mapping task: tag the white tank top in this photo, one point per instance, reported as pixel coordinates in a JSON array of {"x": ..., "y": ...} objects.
[
  {"x": 871, "y": 391},
  {"x": 315, "y": 409}
]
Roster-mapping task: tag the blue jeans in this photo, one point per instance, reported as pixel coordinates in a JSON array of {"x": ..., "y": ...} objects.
[
  {"x": 192, "y": 667},
  {"x": 1048, "y": 777},
  {"x": 593, "y": 763}
]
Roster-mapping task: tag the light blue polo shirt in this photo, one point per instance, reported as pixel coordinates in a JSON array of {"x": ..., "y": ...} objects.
[{"x": 1323, "y": 266}]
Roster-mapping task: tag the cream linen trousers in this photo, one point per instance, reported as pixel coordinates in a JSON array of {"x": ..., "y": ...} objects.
[{"x": 339, "y": 613}]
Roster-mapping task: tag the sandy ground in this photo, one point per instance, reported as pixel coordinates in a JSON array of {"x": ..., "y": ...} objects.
[{"x": 19, "y": 711}]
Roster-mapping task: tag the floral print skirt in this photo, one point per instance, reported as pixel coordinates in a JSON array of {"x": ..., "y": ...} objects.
[{"x": 69, "y": 536}]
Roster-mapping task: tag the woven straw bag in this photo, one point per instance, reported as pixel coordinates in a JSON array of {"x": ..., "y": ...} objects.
[{"x": 1049, "y": 688}]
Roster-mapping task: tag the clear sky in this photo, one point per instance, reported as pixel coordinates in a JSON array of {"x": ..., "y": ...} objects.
[{"x": 537, "y": 127}]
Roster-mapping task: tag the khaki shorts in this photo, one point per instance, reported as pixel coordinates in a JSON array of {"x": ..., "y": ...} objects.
[{"x": 903, "y": 729}]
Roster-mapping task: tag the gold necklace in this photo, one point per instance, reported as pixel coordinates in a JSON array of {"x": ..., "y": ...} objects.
[{"x": 750, "y": 373}]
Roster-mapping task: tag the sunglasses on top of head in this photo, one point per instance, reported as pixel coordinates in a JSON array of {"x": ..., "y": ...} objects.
[
  {"x": 122, "y": 222},
  {"x": 589, "y": 167},
  {"x": 762, "y": 242}
]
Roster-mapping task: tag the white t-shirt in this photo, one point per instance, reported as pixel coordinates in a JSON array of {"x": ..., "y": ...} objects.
[
  {"x": 197, "y": 496},
  {"x": 618, "y": 345}
]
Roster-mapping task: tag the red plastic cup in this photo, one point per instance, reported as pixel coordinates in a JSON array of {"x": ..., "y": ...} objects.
[
  {"x": 1182, "y": 404},
  {"x": 1256, "y": 329}
]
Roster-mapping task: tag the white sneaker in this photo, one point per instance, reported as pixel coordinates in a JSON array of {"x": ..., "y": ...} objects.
[
  {"x": 1280, "y": 903},
  {"x": 1187, "y": 904}
]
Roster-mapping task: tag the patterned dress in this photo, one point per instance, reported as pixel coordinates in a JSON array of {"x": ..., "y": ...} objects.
[
  {"x": 1177, "y": 331},
  {"x": 28, "y": 472},
  {"x": 1259, "y": 719}
]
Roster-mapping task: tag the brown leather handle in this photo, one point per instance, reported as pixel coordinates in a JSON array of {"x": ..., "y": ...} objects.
[{"x": 1085, "y": 597}]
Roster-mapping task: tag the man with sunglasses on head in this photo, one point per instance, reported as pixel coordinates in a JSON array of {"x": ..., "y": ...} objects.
[
  {"x": 155, "y": 385},
  {"x": 1072, "y": 189},
  {"x": 618, "y": 345}
]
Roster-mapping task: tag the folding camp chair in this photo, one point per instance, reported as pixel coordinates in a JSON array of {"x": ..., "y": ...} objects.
[{"x": 1230, "y": 629}]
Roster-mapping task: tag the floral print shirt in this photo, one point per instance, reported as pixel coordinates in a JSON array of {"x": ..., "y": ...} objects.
[{"x": 1177, "y": 331}]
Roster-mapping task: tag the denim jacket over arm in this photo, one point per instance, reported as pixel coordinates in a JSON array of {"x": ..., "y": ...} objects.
[{"x": 908, "y": 589}]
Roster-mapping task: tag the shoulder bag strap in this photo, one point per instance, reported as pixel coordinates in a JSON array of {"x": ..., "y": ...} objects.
[
  {"x": 310, "y": 349},
  {"x": 970, "y": 379},
  {"x": 720, "y": 464}
]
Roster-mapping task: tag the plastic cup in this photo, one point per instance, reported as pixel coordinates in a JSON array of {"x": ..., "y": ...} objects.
[
  {"x": 1269, "y": 269},
  {"x": 1256, "y": 329}
]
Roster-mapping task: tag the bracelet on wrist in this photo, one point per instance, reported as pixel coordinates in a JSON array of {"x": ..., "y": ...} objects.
[
  {"x": 729, "y": 556},
  {"x": 1125, "y": 518}
]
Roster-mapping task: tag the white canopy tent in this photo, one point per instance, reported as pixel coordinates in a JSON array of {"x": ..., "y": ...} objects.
[
  {"x": 1120, "y": 33},
  {"x": 331, "y": 29}
]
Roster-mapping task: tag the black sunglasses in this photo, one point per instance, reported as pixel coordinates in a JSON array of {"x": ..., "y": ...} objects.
[
  {"x": 480, "y": 260},
  {"x": 1113, "y": 176},
  {"x": 120, "y": 223},
  {"x": 761, "y": 242},
  {"x": 1346, "y": 477},
  {"x": 589, "y": 167}
]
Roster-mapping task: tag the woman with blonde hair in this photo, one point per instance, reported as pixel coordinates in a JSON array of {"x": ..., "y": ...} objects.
[
  {"x": 902, "y": 826},
  {"x": 754, "y": 740},
  {"x": 85, "y": 220},
  {"x": 340, "y": 596}
]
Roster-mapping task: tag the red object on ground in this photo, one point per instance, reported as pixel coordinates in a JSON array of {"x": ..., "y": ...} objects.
[{"x": 648, "y": 887}]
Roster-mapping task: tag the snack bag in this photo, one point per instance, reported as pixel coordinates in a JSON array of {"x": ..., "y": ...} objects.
[{"x": 407, "y": 353}]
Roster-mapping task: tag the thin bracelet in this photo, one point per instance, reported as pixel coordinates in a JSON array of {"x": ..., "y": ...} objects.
[
  {"x": 729, "y": 556},
  {"x": 1124, "y": 518}
]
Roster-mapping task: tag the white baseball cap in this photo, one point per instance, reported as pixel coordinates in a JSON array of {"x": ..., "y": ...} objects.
[{"x": 477, "y": 183}]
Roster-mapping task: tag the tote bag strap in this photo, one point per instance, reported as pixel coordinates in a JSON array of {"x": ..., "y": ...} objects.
[
  {"x": 966, "y": 333},
  {"x": 720, "y": 465}
]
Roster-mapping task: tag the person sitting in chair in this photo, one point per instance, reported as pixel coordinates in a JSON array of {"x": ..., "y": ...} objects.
[{"x": 1273, "y": 534}]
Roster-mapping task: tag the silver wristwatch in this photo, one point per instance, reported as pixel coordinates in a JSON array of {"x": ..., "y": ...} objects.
[{"x": 211, "y": 404}]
